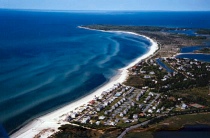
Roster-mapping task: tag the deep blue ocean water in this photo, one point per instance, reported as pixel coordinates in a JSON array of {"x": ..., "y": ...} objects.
[{"x": 47, "y": 62}]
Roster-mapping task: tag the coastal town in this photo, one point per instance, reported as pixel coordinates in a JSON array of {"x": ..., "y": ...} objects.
[
  {"x": 124, "y": 105},
  {"x": 105, "y": 69},
  {"x": 156, "y": 88}
]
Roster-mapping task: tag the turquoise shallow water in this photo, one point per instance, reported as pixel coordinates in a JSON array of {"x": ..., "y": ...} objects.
[{"x": 47, "y": 62}]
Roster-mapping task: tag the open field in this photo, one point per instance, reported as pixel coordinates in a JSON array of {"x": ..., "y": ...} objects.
[{"x": 171, "y": 123}]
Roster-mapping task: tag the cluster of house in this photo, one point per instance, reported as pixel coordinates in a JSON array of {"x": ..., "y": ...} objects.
[
  {"x": 118, "y": 94},
  {"x": 140, "y": 94},
  {"x": 187, "y": 66},
  {"x": 114, "y": 105}
]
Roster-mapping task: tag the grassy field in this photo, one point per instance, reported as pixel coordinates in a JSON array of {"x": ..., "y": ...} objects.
[
  {"x": 69, "y": 131},
  {"x": 199, "y": 95},
  {"x": 172, "y": 123},
  {"x": 134, "y": 81}
]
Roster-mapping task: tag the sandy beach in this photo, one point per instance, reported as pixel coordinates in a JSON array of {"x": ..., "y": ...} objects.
[{"x": 48, "y": 124}]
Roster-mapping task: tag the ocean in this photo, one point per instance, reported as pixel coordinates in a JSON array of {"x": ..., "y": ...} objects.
[{"x": 46, "y": 61}]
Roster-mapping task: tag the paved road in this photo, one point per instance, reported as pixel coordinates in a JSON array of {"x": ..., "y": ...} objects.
[
  {"x": 132, "y": 127},
  {"x": 135, "y": 126}
]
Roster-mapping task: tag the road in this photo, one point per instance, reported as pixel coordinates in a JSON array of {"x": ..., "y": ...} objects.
[{"x": 135, "y": 126}]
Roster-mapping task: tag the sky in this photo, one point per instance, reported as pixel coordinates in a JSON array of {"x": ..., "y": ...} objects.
[{"x": 119, "y": 5}]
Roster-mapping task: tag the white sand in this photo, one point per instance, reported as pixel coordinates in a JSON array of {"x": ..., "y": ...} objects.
[{"x": 51, "y": 120}]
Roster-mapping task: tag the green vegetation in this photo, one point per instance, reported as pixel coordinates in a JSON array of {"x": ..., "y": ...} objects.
[
  {"x": 147, "y": 28},
  {"x": 134, "y": 81},
  {"x": 193, "y": 37},
  {"x": 127, "y": 28},
  {"x": 70, "y": 131},
  {"x": 139, "y": 135},
  {"x": 203, "y": 50},
  {"x": 203, "y": 31},
  {"x": 194, "y": 95},
  {"x": 141, "y": 29},
  {"x": 177, "y": 122},
  {"x": 171, "y": 123}
]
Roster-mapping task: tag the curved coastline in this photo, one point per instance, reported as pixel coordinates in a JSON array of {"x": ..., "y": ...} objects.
[{"x": 51, "y": 121}]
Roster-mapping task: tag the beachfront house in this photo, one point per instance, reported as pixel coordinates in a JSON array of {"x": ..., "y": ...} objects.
[{"x": 73, "y": 115}]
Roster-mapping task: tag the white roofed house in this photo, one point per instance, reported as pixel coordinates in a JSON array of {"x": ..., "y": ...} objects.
[
  {"x": 184, "y": 106},
  {"x": 113, "y": 107},
  {"x": 85, "y": 120},
  {"x": 142, "y": 72},
  {"x": 99, "y": 108},
  {"x": 117, "y": 120},
  {"x": 147, "y": 76},
  {"x": 106, "y": 104},
  {"x": 135, "y": 116},
  {"x": 141, "y": 106},
  {"x": 150, "y": 111},
  {"x": 152, "y": 73},
  {"x": 151, "y": 61},
  {"x": 105, "y": 112},
  {"x": 119, "y": 103},
  {"x": 147, "y": 99},
  {"x": 101, "y": 117},
  {"x": 151, "y": 94},
  {"x": 132, "y": 104},
  {"x": 98, "y": 123},
  {"x": 158, "y": 111},
  {"x": 112, "y": 123},
  {"x": 73, "y": 115},
  {"x": 121, "y": 115},
  {"x": 125, "y": 112}
]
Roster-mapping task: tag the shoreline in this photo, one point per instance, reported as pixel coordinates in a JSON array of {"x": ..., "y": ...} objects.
[{"x": 49, "y": 123}]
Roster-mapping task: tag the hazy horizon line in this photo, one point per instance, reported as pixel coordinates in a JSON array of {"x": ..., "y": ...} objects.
[{"x": 53, "y": 10}]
